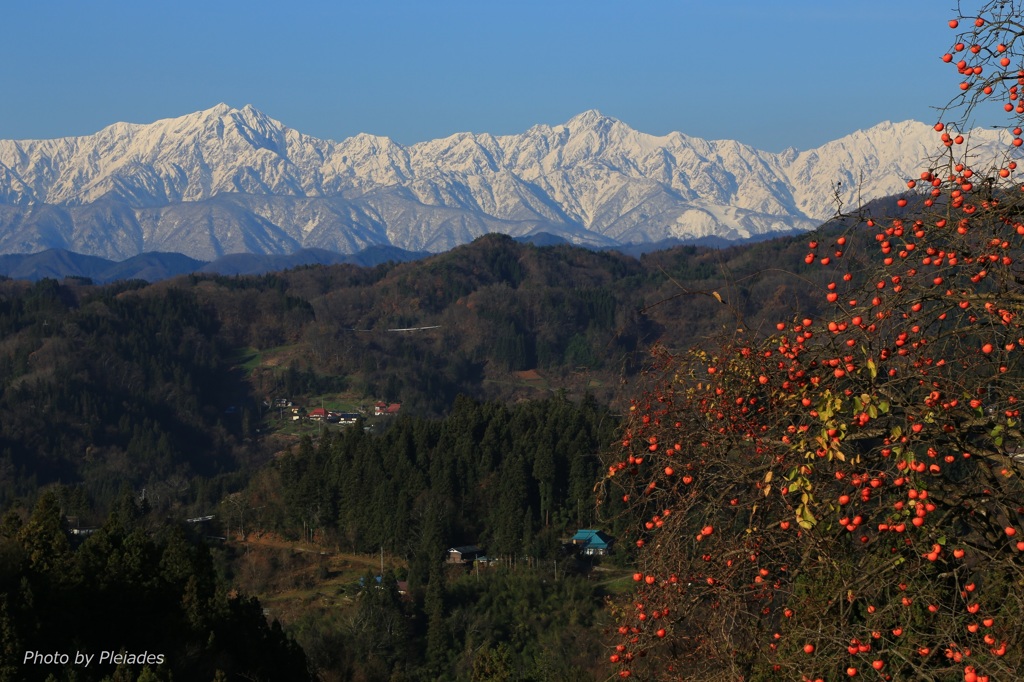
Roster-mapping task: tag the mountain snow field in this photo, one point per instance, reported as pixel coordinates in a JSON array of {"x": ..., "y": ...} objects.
[{"x": 230, "y": 180}]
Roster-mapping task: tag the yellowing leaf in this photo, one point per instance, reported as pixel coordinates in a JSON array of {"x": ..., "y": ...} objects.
[{"x": 805, "y": 518}]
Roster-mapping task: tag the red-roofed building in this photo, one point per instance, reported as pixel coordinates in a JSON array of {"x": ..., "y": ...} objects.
[{"x": 381, "y": 409}]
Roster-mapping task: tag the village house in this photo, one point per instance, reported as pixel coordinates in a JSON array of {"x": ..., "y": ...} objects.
[
  {"x": 382, "y": 409},
  {"x": 591, "y": 542}
]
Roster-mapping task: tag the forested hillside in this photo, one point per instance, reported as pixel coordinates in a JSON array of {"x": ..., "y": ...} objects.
[
  {"x": 515, "y": 481},
  {"x": 155, "y": 385},
  {"x": 507, "y": 364},
  {"x": 138, "y": 589},
  {"x": 510, "y": 478},
  {"x": 110, "y": 386},
  {"x": 468, "y": 320}
]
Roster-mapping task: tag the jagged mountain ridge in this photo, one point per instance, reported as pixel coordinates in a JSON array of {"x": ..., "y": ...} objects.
[{"x": 227, "y": 180}]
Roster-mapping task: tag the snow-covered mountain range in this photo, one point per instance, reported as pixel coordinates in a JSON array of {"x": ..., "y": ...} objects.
[{"x": 231, "y": 180}]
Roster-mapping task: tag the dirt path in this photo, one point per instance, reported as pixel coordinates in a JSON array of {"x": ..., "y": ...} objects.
[{"x": 269, "y": 540}]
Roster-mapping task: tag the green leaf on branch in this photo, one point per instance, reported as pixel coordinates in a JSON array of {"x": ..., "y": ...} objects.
[{"x": 805, "y": 518}]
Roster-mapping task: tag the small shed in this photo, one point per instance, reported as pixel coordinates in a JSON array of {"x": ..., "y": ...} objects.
[
  {"x": 463, "y": 555},
  {"x": 591, "y": 542}
]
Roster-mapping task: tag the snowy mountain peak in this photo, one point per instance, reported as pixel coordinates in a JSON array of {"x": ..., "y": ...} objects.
[
  {"x": 592, "y": 118},
  {"x": 195, "y": 119},
  {"x": 224, "y": 179}
]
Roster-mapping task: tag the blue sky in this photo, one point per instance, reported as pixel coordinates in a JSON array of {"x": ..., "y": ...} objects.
[{"x": 771, "y": 74}]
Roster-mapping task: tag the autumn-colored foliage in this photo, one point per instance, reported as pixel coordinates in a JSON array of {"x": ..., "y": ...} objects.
[{"x": 842, "y": 496}]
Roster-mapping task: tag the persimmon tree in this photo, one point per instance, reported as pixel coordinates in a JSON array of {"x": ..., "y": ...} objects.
[{"x": 843, "y": 495}]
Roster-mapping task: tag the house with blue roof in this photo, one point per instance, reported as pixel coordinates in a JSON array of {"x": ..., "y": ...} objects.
[{"x": 591, "y": 542}]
